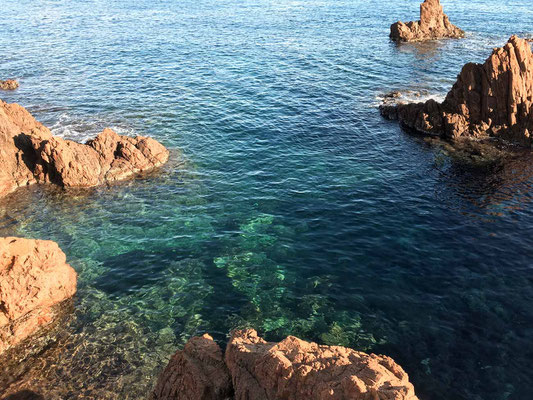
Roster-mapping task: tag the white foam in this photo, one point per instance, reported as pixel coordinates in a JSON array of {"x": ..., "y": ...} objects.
[{"x": 81, "y": 129}]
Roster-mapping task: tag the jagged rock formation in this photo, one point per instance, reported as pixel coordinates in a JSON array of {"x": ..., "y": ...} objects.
[
  {"x": 494, "y": 99},
  {"x": 29, "y": 153},
  {"x": 9, "y": 84},
  {"x": 34, "y": 278},
  {"x": 196, "y": 372},
  {"x": 292, "y": 369},
  {"x": 433, "y": 24}
]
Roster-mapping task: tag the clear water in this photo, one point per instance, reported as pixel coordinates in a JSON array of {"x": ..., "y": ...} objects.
[{"x": 289, "y": 205}]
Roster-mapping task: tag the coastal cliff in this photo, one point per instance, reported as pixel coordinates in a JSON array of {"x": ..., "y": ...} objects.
[
  {"x": 29, "y": 154},
  {"x": 493, "y": 99},
  {"x": 253, "y": 369},
  {"x": 433, "y": 24}
]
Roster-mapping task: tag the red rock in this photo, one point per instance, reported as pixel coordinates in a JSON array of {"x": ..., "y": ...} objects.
[
  {"x": 196, "y": 372},
  {"x": 433, "y": 24},
  {"x": 294, "y": 369},
  {"x": 494, "y": 99},
  {"x": 31, "y": 154},
  {"x": 34, "y": 277},
  {"x": 9, "y": 84}
]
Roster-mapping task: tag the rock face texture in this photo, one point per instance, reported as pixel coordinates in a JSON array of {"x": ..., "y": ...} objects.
[
  {"x": 494, "y": 99},
  {"x": 34, "y": 278},
  {"x": 196, "y": 372},
  {"x": 433, "y": 24},
  {"x": 294, "y": 369},
  {"x": 29, "y": 153},
  {"x": 9, "y": 84}
]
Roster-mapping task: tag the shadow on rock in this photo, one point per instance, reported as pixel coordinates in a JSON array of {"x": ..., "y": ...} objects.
[{"x": 25, "y": 395}]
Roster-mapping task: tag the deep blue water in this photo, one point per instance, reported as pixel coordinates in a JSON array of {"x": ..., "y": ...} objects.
[{"x": 289, "y": 204}]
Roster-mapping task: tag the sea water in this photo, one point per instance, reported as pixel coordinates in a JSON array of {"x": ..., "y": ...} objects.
[{"x": 289, "y": 205}]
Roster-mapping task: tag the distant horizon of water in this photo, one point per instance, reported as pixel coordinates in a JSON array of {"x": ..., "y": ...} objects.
[{"x": 289, "y": 205}]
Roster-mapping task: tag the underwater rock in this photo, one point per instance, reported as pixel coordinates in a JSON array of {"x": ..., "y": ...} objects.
[
  {"x": 34, "y": 278},
  {"x": 289, "y": 370},
  {"x": 494, "y": 99},
  {"x": 29, "y": 153},
  {"x": 433, "y": 24},
  {"x": 196, "y": 372},
  {"x": 9, "y": 84}
]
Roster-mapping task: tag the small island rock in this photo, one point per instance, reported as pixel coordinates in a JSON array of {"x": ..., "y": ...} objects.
[
  {"x": 433, "y": 24},
  {"x": 9, "y": 84}
]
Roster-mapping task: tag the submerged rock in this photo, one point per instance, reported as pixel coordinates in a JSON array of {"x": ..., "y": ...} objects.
[
  {"x": 9, "y": 84},
  {"x": 29, "y": 153},
  {"x": 292, "y": 369},
  {"x": 494, "y": 99},
  {"x": 34, "y": 279},
  {"x": 433, "y": 24}
]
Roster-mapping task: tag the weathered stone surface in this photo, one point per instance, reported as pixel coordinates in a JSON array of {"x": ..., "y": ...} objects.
[
  {"x": 295, "y": 369},
  {"x": 196, "y": 372},
  {"x": 16, "y": 154},
  {"x": 34, "y": 278},
  {"x": 29, "y": 153},
  {"x": 292, "y": 369},
  {"x": 494, "y": 99},
  {"x": 9, "y": 84},
  {"x": 433, "y": 24}
]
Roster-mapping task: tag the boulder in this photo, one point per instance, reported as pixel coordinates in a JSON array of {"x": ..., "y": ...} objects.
[
  {"x": 292, "y": 369},
  {"x": 433, "y": 24},
  {"x": 31, "y": 154},
  {"x": 9, "y": 84},
  {"x": 196, "y": 372},
  {"x": 295, "y": 369},
  {"x": 493, "y": 99},
  {"x": 34, "y": 279}
]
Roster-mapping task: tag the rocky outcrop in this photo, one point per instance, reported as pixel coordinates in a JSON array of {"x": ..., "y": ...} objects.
[
  {"x": 494, "y": 99},
  {"x": 9, "y": 84},
  {"x": 433, "y": 24},
  {"x": 34, "y": 278},
  {"x": 29, "y": 153},
  {"x": 196, "y": 372},
  {"x": 292, "y": 369}
]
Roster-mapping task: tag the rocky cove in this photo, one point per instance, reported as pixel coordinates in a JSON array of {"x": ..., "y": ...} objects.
[
  {"x": 338, "y": 239},
  {"x": 36, "y": 282}
]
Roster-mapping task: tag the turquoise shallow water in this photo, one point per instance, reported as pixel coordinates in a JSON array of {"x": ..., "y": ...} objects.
[{"x": 289, "y": 205}]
